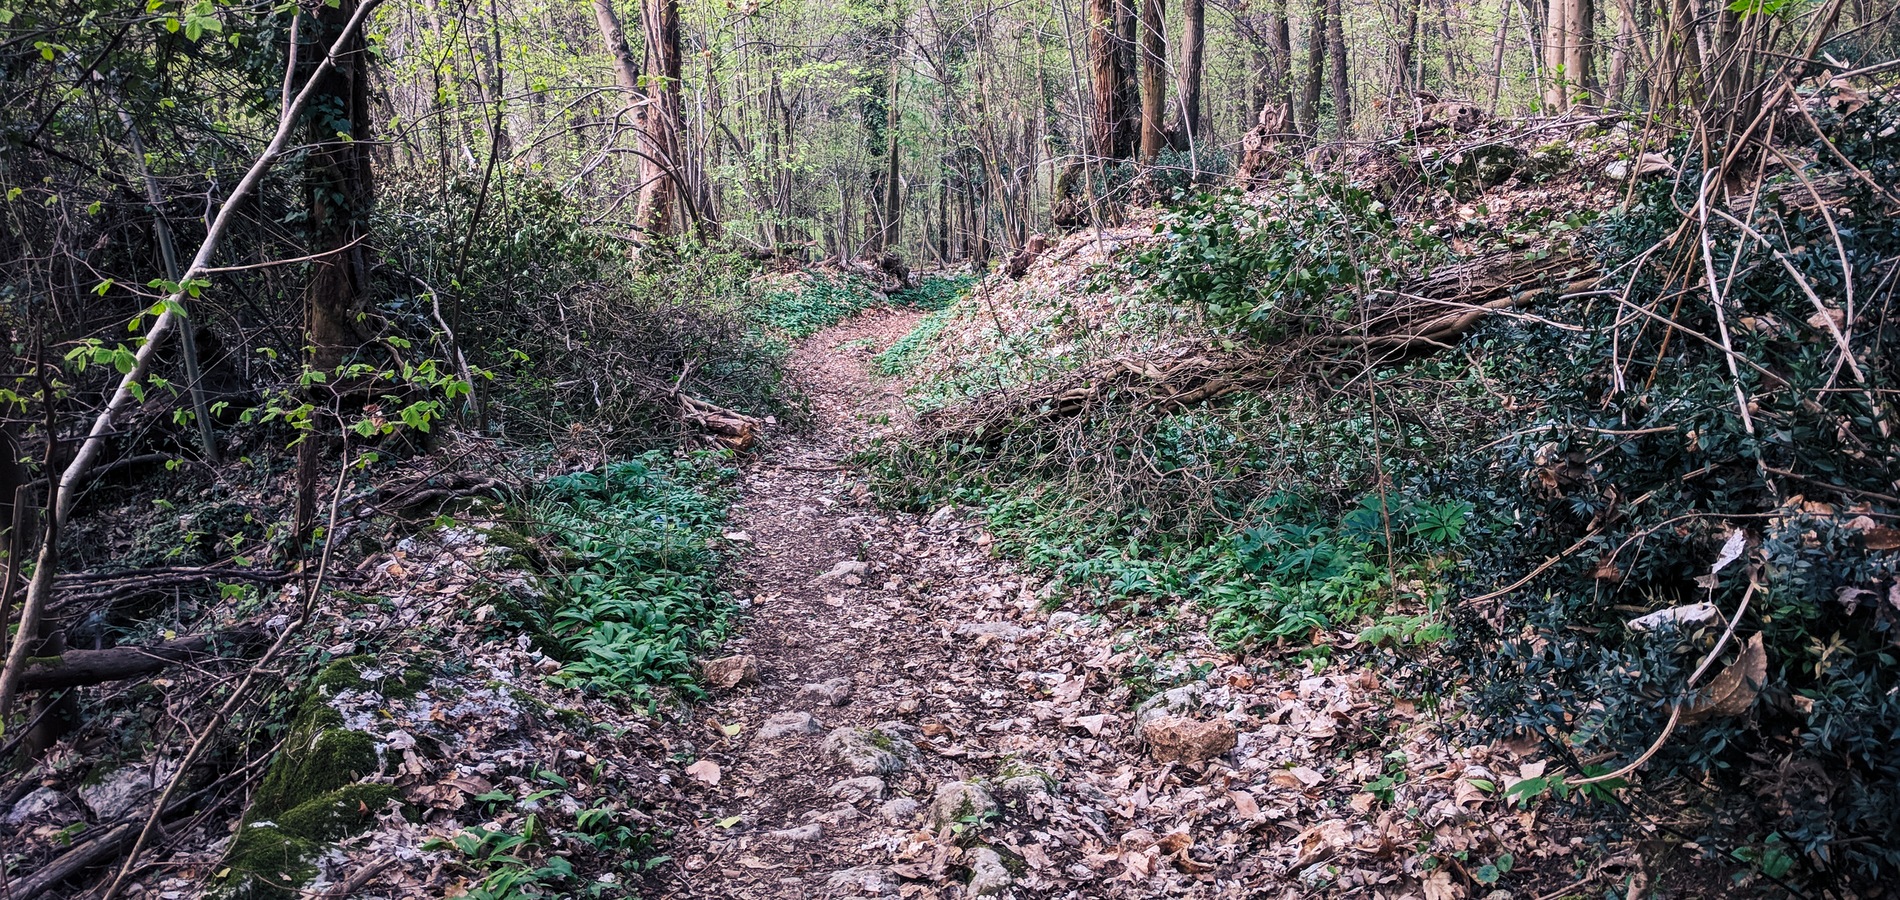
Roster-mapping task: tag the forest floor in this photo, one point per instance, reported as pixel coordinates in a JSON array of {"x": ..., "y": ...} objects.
[{"x": 904, "y": 713}]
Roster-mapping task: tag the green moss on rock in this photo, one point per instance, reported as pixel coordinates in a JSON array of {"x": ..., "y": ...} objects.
[
  {"x": 310, "y": 797},
  {"x": 327, "y": 760},
  {"x": 266, "y": 862},
  {"x": 338, "y": 814}
]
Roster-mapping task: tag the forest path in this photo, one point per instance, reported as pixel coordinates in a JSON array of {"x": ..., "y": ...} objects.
[{"x": 918, "y": 725}]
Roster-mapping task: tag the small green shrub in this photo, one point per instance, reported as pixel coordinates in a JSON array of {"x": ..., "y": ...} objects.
[
  {"x": 816, "y": 304},
  {"x": 643, "y": 593}
]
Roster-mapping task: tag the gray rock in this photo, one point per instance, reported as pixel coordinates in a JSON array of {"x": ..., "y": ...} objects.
[
  {"x": 988, "y": 875},
  {"x": 835, "y": 816},
  {"x": 801, "y": 834},
  {"x": 849, "y": 571},
  {"x": 900, "y": 811},
  {"x": 864, "y": 881},
  {"x": 788, "y": 724},
  {"x": 1002, "y": 631},
  {"x": 123, "y": 790},
  {"x": 853, "y": 790},
  {"x": 958, "y": 802},
  {"x": 729, "y": 672},
  {"x": 1026, "y": 785},
  {"x": 832, "y": 692},
  {"x": 1171, "y": 702},
  {"x": 44, "y": 805},
  {"x": 879, "y": 750}
]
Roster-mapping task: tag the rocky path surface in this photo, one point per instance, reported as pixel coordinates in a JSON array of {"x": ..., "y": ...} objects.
[{"x": 903, "y": 716}]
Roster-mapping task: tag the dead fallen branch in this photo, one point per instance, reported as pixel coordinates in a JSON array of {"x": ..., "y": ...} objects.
[
  {"x": 78, "y": 668},
  {"x": 112, "y": 587},
  {"x": 85, "y": 856},
  {"x": 735, "y": 430}
]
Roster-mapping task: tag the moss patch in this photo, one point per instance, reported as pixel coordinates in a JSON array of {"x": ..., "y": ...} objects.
[
  {"x": 266, "y": 863},
  {"x": 309, "y": 797},
  {"x": 326, "y": 760},
  {"x": 350, "y": 673},
  {"x": 337, "y": 814}
]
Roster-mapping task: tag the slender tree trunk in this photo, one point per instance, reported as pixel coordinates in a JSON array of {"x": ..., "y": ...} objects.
[
  {"x": 1451, "y": 46},
  {"x": 466, "y": 132},
  {"x": 1193, "y": 48},
  {"x": 1402, "y": 85},
  {"x": 1556, "y": 91},
  {"x": 1308, "y": 119},
  {"x": 1342, "y": 84},
  {"x": 893, "y": 188},
  {"x": 1579, "y": 22},
  {"x": 339, "y": 193},
  {"x": 1154, "y": 82},
  {"x": 614, "y": 38},
  {"x": 1497, "y": 57},
  {"x": 1620, "y": 57}
]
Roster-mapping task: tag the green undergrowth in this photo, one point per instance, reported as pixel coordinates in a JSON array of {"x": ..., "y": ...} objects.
[
  {"x": 820, "y": 301},
  {"x": 640, "y": 593}
]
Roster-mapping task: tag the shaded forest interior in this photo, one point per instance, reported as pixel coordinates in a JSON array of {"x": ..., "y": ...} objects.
[{"x": 1535, "y": 355}]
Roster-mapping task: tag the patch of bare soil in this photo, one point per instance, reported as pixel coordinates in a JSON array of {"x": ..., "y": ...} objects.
[{"x": 911, "y": 716}]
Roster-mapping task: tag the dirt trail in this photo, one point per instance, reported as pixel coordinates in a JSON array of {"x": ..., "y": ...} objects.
[{"x": 921, "y": 726}]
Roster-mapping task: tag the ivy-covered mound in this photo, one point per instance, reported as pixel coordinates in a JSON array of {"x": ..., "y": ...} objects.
[{"x": 1648, "y": 438}]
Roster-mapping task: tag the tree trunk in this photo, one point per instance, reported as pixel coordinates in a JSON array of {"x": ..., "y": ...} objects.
[
  {"x": 1402, "y": 86},
  {"x": 1497, "y": 57},
  {"x": 660, "y": 121},
  {"x": 1280, "y": 70},
  {"x": 1129, "y": 66},
  {"x": 1308, "y": 119},
  {"x": 893, "y": 188},
  {"x": 1106, "y": 79},
  {"x": 339, "y": 194},
  {"x": 1193, "y": 49},
  {"x": 1579, "y": 28},
  {"x": 614, "y": 38},
  {"x": 1451, "y": 47},
  {"x": 1342, "y": 85},
  {"x": 1620, "y": 56},
  {"x": 1154, "y": 82},
  {"x": 1556, "y": 94}
]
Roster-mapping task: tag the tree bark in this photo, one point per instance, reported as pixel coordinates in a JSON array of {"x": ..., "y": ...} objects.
[
  {"x": 1497, "y": 57},
  {"x": 1342, "y": 85},
  {"x": 893, "y": 187},
  {"x": 1556, "y": 95},
  {"x": 1620, "y": 56},
  {"x": 338, "y": 193},
  {"x": 1154, "y": 82},
  {"x": 660, "y": 120},
  {"x": 1193, "y": 51},
  {"x": 1128, "y": 134},
  {"x": 1280, "y": 56},
  {"x": 1308, "y": 119},
  {"x": 1402, "y": 86},
  {"x": 1579, "y": 35},
  {"x": 614, "y": 37},
  {"x": 1106, "y": 79}
]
